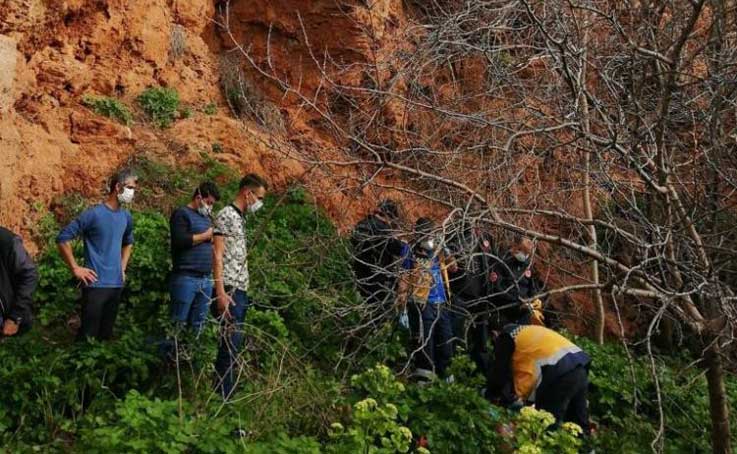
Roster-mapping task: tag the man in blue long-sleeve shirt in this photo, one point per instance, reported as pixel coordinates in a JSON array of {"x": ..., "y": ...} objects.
[
  {"x": 107, "y": 232},
  {"x": 191, "y": 251}
]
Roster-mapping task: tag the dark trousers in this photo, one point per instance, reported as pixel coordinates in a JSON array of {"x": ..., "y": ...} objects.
[
  {"x": 99, "y": 310},
  {"x": 231, "y": 342},
  {"x": 471, "y": 329},
  {"x": 432, "y": 333},
  {"x": 566, "y": 398},
  {"x": 478, "y": 339}
]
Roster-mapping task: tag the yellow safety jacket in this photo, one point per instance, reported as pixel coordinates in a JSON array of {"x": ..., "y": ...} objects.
[
  {"x": 536, "y": 347},
  {"x": 421, "y": 278}
]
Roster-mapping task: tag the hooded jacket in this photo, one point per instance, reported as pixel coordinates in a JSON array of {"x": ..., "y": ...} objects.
[{"x": 18, "y": 279}]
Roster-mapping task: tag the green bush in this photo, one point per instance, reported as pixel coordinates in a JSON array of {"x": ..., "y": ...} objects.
[
  {"x": 109, "y": 107},
  {"x": 305, "y": 388},
  {"x": 210, "y": 109},
  {"x": 160, "y": 105},
  {"x": 624, "y": 400},
  {"x": 448, "y": 417}
]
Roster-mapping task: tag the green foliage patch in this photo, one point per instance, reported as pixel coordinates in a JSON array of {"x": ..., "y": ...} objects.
[
  {"x": 109, "y": 107},
  {"x": 160, "y": 105},
  {"x": 305, "y": 387}
]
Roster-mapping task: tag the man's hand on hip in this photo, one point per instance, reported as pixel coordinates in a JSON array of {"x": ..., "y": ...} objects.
[{"x": 86, "y": 275}]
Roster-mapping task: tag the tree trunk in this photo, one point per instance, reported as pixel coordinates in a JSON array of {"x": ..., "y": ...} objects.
[
  {"x": 721, "y": 442},
  {"x": 593, "y": 243},
  {"x": 589, "y": 213}
]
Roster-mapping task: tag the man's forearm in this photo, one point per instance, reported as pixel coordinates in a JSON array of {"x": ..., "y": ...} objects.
[
  {"x": 65, "y": 249},
  {"x": 126, "y": 255},
  {"x": 199, "y": 238},
  {"x": 218, "y": 252},
  {"x": 217, "y": 271}
]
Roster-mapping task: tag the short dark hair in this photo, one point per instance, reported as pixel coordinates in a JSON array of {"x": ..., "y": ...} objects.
[
  {"x": 207, "y": 189},
  {"x": 389, "y": 208},
  {"x": 121, "y": 176},
  {"x": 253, "y": 181}
]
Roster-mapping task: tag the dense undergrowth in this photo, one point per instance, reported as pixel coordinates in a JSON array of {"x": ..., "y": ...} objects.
[{"x": 307, "y": 387}]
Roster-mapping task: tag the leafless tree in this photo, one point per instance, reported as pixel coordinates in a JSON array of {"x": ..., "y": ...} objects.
[{"x": 605, "y": 131}]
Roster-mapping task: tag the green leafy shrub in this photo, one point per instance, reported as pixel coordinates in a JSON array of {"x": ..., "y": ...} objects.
[
  {"x": 139, "y": 424},
  {"x": 185, "y": 112},
  {"x": 120, "y": 396},
  {"x": 210, "y": 109},
  {"x": 109, "y": 107},
  {"x": 375, "y": 428},
  {"x": 146, "y": 291},
  {"x": 531, "y": 434},
  {"x": 624, "y": 400},
  {"x": 160, "y": 105}
]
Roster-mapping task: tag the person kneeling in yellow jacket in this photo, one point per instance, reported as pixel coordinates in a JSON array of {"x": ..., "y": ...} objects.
[{"x": 534, "y": 364}]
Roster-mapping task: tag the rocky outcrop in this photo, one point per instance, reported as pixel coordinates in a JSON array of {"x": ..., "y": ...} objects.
[{"x": 55, "y": 53}]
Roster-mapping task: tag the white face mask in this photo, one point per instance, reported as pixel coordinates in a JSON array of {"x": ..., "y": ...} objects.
[
  {"x": 255, "y": 206},
  {"x": 521, "y": 256},
  {"x": 126, "y": 196},
  {"x": 205, "y": 210},
  {"x": 428, "y": 245}
]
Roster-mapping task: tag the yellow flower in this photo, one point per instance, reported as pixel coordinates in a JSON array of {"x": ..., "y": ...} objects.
[
  {"x": 528, "y": 413},
  {"x": 406, "y": 433},
  {"x": 366, "y": 404},
  {"x": 529, "y": 449},
  {"x": 572, "y": 428}
]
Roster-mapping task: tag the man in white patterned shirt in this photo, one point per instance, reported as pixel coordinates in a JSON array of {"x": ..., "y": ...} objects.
[{"x": 230, "y": 269}]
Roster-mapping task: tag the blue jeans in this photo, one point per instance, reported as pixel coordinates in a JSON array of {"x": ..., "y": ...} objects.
[
  {"x": 190, "y": 300},
  {"x": 231, "y": 342},
  {"x": 432, "y": 333}
]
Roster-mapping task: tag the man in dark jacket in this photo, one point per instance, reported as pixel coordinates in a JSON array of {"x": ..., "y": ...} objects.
[
  {"x": 473, "y": 249},
  {"x": 191, "y": 250},
  {"x": 18, "y": 279},
  {"x": 512, "y": 282},
  {"x": 376, "y": 255}
]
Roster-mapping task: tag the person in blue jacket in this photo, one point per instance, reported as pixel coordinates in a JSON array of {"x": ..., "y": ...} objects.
[
  {"x": 106, "y": 230},
  {"x": 424, "y": 292}
]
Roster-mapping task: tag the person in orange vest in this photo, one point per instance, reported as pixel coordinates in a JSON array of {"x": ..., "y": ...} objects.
[
  {"x": 424, "y": 293},
  {"x": 534, "y": 364}
]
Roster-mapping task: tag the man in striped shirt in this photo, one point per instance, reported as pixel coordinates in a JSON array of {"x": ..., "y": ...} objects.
[{"x": 191, "y": 251}]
